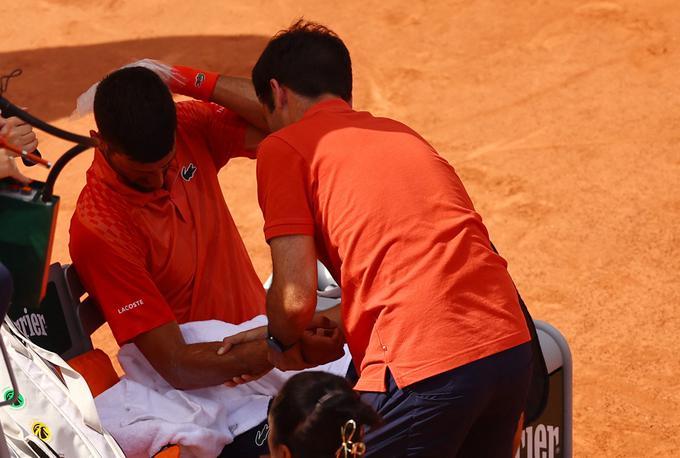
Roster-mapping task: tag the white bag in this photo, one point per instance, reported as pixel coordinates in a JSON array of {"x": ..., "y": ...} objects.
[{"x": 53, "y": 414}]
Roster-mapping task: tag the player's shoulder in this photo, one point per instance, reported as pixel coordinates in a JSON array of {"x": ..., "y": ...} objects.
[
  {"x": 195, "y": 109},
  {"x": 189, "y": 110},
  {"x": 103, "y": 220},
  {"x": 196, "y": 118}
]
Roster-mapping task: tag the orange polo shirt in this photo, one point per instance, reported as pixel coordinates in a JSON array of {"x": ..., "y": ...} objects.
[
  {"x": 422, "y": 290},
  {"x": 149, "y": 258}
]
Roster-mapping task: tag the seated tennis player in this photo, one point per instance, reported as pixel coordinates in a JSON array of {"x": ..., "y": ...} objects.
[{"x": 152, "y": 238}]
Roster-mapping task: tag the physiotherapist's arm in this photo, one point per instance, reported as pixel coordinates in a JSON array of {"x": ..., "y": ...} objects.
[
  {"x": 291, "y": 299},
  {"x": 189, "y": 366},
  {"x": 291, "y": 303}
]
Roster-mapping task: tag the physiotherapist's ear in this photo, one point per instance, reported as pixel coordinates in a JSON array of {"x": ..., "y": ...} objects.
[{"x": 279, "y": 94}]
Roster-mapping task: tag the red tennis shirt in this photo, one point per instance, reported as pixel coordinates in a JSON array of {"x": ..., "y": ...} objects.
[
  {"x": 422, "y": 290},
  {"x": 149, "y": 258}
]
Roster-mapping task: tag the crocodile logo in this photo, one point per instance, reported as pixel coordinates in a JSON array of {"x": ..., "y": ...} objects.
[
  {"x": 188, "y": 171},
  {"x": 261, "y": 436},
  {"x": 200, "y": 78}
]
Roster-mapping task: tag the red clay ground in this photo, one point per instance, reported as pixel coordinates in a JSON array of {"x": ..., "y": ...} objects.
[{"x": 560, "y": 116}]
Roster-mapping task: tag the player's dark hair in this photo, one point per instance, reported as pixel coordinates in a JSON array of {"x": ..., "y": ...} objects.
[
  {"x": 308, "y": 58},
  {"x": 135, "y": 113},
  {"x": 310, "y": 410}
]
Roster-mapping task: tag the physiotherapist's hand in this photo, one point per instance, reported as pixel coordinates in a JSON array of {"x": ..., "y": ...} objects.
[
  {"x": 245, "y": 378},
  {"x": 242, "y": 337}
]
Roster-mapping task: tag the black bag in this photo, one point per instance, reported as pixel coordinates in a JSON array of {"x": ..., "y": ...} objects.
[{"x": 27, "y": 221}]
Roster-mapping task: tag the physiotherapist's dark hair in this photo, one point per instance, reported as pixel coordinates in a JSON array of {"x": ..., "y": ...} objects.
[
  {"x": 135, "y": 113},
  {"x": 308, "y": 58},
  {"x": 308, "y": 413}
]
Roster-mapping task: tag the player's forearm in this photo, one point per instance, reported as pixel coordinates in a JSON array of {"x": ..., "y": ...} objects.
[
  {"x": 235, "y": 93},
  {"x": 238, "y": 95},
  {"x": 199, "y": 366}
]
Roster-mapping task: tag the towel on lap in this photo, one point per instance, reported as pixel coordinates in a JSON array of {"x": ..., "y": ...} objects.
[{"x": 144, "y": 413}]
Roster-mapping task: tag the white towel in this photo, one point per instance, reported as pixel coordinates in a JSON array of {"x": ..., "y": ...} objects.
[{"x": 144, "y": 413}]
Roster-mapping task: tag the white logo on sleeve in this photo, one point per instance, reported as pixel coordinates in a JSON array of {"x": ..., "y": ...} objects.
[{"x": 130, "y": 306}]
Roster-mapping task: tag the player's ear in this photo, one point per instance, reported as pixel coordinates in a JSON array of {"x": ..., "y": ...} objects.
[
  {"x": 99, "y": 142},
  {"x": 96, "y": 138}
]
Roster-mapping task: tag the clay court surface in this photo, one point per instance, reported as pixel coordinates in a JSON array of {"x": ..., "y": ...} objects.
[{"x": 560, "y": 116}]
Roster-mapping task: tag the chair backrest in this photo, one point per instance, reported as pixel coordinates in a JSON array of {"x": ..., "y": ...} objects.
[
  {"x": 66, "y": 317},
  {"x": 88, "y": 311},
  {"x": 82, "y": 314},
  {"x": 5, "y": 290}
]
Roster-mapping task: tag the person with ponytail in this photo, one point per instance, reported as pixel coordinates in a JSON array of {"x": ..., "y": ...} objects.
[{"x": 318, "y": 415}]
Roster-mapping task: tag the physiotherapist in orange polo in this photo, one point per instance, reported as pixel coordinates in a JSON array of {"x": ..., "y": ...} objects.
[{"x": 428, "y": 309}]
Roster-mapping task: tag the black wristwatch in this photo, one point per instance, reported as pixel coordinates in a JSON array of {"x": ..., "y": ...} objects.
[{"x": 276, "y": 345}]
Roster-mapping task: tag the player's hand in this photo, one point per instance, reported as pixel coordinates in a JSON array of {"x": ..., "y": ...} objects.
[
  {"x": 85, "y": 102},
  {"x": 192, "y": 82},
  {"x": 322, "y": 341},
  {"x": 18, "y": 133},
  {"x": 290, "y": 360},
  {"x": 163, "y": 70}
]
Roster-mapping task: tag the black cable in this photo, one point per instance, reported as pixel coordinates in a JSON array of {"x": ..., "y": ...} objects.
[
  {"x": 4, "y": 79},
  {"x": 9, "y": 109},
  {"x": 48, "y": 189}
]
